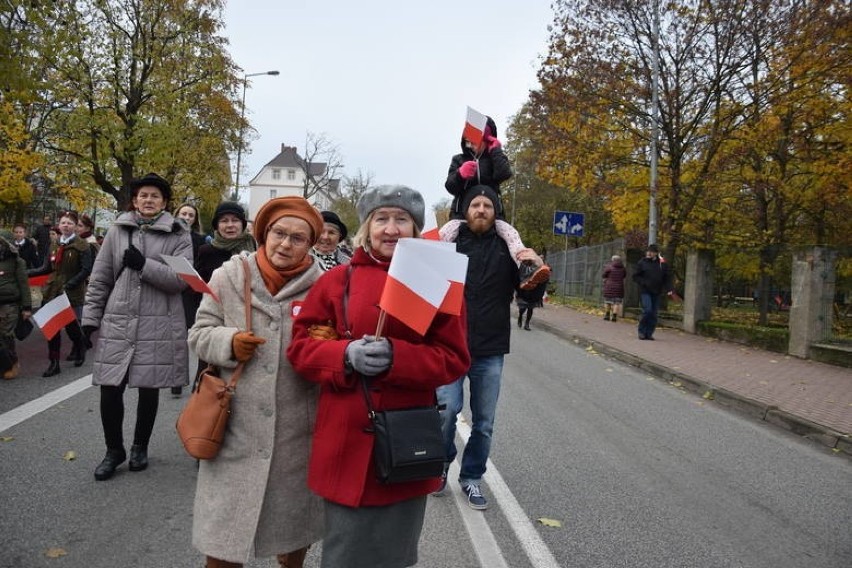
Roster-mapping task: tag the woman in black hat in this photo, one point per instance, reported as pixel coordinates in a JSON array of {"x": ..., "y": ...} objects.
[
  {"x": 229, "y": 238},
  {"x": 327, "y": 250}
]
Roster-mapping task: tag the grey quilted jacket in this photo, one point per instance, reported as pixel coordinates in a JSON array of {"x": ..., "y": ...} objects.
[{"x": 140, "y": 314}]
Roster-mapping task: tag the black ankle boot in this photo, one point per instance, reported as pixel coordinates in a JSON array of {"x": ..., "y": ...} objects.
[
  {"x": 80, "y": 355},
  {"x": 113, "y": 459},
  {"x": 53, "y": 369},
  {"x": 73, "y": 355},
  {"x": 138, "y": 458}
]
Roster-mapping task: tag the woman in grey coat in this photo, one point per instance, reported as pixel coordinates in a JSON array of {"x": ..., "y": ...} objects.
[
  {"x": 134, "y": 298},
  {"x": 253, "y": 498}
]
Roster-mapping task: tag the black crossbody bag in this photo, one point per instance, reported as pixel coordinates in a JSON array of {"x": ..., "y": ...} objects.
[{"x": 408, "y": 443}]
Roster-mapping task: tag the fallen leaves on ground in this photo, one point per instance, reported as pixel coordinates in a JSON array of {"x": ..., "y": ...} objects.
[
  {"x": 6, "y": 439},
  {"x": 55, "y": 552},
  {"x": 550, "y": 522},
  {"x": 70, "y": 455},
  {"x": 709, "y": 395}
]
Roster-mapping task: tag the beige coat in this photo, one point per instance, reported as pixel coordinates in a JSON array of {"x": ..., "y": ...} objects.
[{"x": 254, "y": 497}]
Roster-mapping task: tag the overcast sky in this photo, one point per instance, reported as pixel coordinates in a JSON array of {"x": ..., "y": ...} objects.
[{"x": 388, "y": 82}]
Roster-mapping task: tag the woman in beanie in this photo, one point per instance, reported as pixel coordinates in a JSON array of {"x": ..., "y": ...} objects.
[
  {"x": 229, "y": 238},
  {"x": 134, "y": 299},
  {"x": 253, "y": 499},
  {"x": 327, "y": 250},
  {"x": 369, "y": 523}
]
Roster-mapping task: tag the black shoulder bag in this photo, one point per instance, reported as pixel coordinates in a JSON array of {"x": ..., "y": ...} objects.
[{"x": 408, "y": 443}]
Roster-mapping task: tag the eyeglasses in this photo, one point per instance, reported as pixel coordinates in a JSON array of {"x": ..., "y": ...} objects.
[{"x": 277, "y": 236}]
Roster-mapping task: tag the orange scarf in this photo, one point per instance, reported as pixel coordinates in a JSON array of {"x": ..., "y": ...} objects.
[{"x": 277, "y": 278}]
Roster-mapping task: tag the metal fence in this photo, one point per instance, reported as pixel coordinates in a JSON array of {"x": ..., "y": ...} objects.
[{"x": 578, "y": 272}]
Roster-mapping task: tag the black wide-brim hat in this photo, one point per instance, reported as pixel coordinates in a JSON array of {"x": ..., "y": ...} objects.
[
  {"x": 332, "y": 217},
  {"x": 154, "y": 180}
]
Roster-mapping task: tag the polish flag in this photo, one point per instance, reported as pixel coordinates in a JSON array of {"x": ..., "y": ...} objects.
[
  {"x": 188, "y": 274},
  {"x": 451, "y": 265},
  {"x": 430, "y": 227},
  {"x": 474, "y": 126},
  {"x": 413, "y": 290},
  {"x": 54, "y": 315}
]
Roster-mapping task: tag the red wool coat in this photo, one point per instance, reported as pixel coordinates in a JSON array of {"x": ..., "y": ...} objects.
[{"x": 341, "y": 466}]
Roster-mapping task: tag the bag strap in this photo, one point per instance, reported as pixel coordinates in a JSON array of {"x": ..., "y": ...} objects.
[
  {"x": 232, "y": 384},
  {"x": 370, "y": 412}
]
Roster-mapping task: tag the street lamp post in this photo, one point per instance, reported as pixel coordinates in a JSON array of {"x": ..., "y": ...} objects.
[{"x": 242, "y": 120}]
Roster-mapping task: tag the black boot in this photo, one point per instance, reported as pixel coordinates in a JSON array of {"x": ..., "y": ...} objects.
[
  {"x": 53, "y": 369},
  {"x": 520, "y": 320},
  {"x": 80, "y": 354},
  {"x": 73, "y": 355},
  {"x": 138, "y": 458},
  {"x": 112, "y": 459}
]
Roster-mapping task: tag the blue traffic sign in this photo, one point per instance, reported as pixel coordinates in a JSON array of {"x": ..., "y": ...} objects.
[{"x": 568, "y": 223}]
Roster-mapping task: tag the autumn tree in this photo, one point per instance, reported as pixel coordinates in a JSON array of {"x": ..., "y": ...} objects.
[
  {"x": 321, "y": 164},
  {"x": 345, "y": 204},
  {"x": 142, "y": 85}
]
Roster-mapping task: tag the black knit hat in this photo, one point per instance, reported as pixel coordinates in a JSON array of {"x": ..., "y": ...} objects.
[
  {"x": 231, "y": 207},
  {"x": 154, "y": 180},
  {"x": 331, "y": 217},
  {"x": 476, "y": 191}
]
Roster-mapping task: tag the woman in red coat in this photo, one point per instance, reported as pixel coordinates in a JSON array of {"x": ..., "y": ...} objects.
[{"x": 369, "y": 523}]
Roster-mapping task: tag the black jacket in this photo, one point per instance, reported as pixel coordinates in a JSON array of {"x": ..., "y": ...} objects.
[
  {"x": 492, "y": 277},
  {"x": 29, "y": 253},
  {"x": 652, "y": 276}
]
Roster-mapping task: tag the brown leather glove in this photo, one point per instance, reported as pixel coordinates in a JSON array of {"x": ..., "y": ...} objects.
[{"x": 244, "y": 344}]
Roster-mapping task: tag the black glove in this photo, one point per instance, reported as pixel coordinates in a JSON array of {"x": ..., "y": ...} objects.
[
  {"x": 88, "y": 330},
  {"x": 134, "y": 259}
]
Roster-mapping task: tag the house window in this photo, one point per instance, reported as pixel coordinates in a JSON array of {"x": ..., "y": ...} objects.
[
  {"x": 291, "y": 175},
  {"x": 273, "y": 193},
  {"x": 276, "y": 174}
]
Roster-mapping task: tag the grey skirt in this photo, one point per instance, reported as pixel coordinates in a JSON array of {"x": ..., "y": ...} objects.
[{"x": 379, "y": 537}]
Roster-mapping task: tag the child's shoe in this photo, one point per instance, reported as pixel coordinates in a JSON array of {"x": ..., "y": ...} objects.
[{"x": 531, "y": 276}]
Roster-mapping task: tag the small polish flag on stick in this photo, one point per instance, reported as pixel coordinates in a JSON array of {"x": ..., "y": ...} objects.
[
  {"x": 413, "y": 290},
  {"x": 54, "y": 315},
  {"x": 451, "y": 265},
  {"x": 186, "y": 272},
  {"x": 474, "y": 126}
]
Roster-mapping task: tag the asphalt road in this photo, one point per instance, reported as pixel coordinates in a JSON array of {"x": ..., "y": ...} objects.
[{"x": 638, "y": 474}]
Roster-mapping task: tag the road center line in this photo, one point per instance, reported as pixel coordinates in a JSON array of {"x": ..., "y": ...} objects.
[
  {"x": 535, "y": 548},
  {"x": 33, "y": 407}
]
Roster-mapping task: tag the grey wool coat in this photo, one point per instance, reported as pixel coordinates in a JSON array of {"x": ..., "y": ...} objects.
[
  {"x": 253, "y": 498},
  {"x": 142, "y": 331}
]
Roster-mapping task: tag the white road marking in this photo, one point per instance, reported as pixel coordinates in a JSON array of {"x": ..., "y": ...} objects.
[
  {"x": 534, "y": 547},
  {"x": 33, "y": 407}
]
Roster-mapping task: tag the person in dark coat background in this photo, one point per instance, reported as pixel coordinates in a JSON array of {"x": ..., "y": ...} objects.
[
  {"x": 527, "y": 301},
  {"x": 27, "y": 249},
  {"x": 613, "y": 288},
  {"x": 15, "y": 302},
  {"x": 652, "y": 276}
]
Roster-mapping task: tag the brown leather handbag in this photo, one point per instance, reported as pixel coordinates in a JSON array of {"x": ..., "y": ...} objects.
[{"x": 202, "y": 422}]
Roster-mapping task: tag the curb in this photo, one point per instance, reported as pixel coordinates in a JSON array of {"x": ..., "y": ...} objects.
[{"x": 797, "y": 425}]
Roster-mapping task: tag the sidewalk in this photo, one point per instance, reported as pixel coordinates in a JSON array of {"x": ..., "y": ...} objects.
[{"x": 807, "y": 398}]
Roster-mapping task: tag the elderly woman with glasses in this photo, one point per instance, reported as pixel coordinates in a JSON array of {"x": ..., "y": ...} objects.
[{"x": 253, "y": 498}]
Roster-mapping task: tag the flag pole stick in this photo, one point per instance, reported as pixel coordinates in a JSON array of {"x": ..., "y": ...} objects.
[{"x": 380, "y": 325}]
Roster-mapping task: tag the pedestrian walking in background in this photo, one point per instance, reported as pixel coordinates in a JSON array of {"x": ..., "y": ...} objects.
[
  {"x": 188, "y": 214},
  {"x": 134, "y": 300},
  {"x": 27, "y": 249},
  {"x": 369, "y": 523},
  {"x": 486, "y": 164},
  {"x": 492, "y": 279},
  {"x": 652, "y": 276},
  {"x": 69, "y": 268},
  {"x": 41, "y": 234},
  {"x": 527, "y": 301},
  {"x": 614, "y": 274},
  {"x": 15, "y": 302},
  {"x": 253, "y": 498},
  {"x": 327, "y": 250}
]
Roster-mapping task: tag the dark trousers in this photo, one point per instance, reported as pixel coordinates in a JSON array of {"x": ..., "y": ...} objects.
[
  {"x": 75, "y": 334},
  {"x": 529, "y": 311},
  {"x": 112, "y": 415},
  {"x": 648, "y": 321}
]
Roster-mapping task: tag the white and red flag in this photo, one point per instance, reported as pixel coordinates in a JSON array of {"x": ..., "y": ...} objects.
[
  {"x": 452, "y": 266},
  {"x": 474, "y": 126},
  {"x": 413, "y": 290},
  {"x": 54, "y": 315},
  {"x": 188, "y": 274}
]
